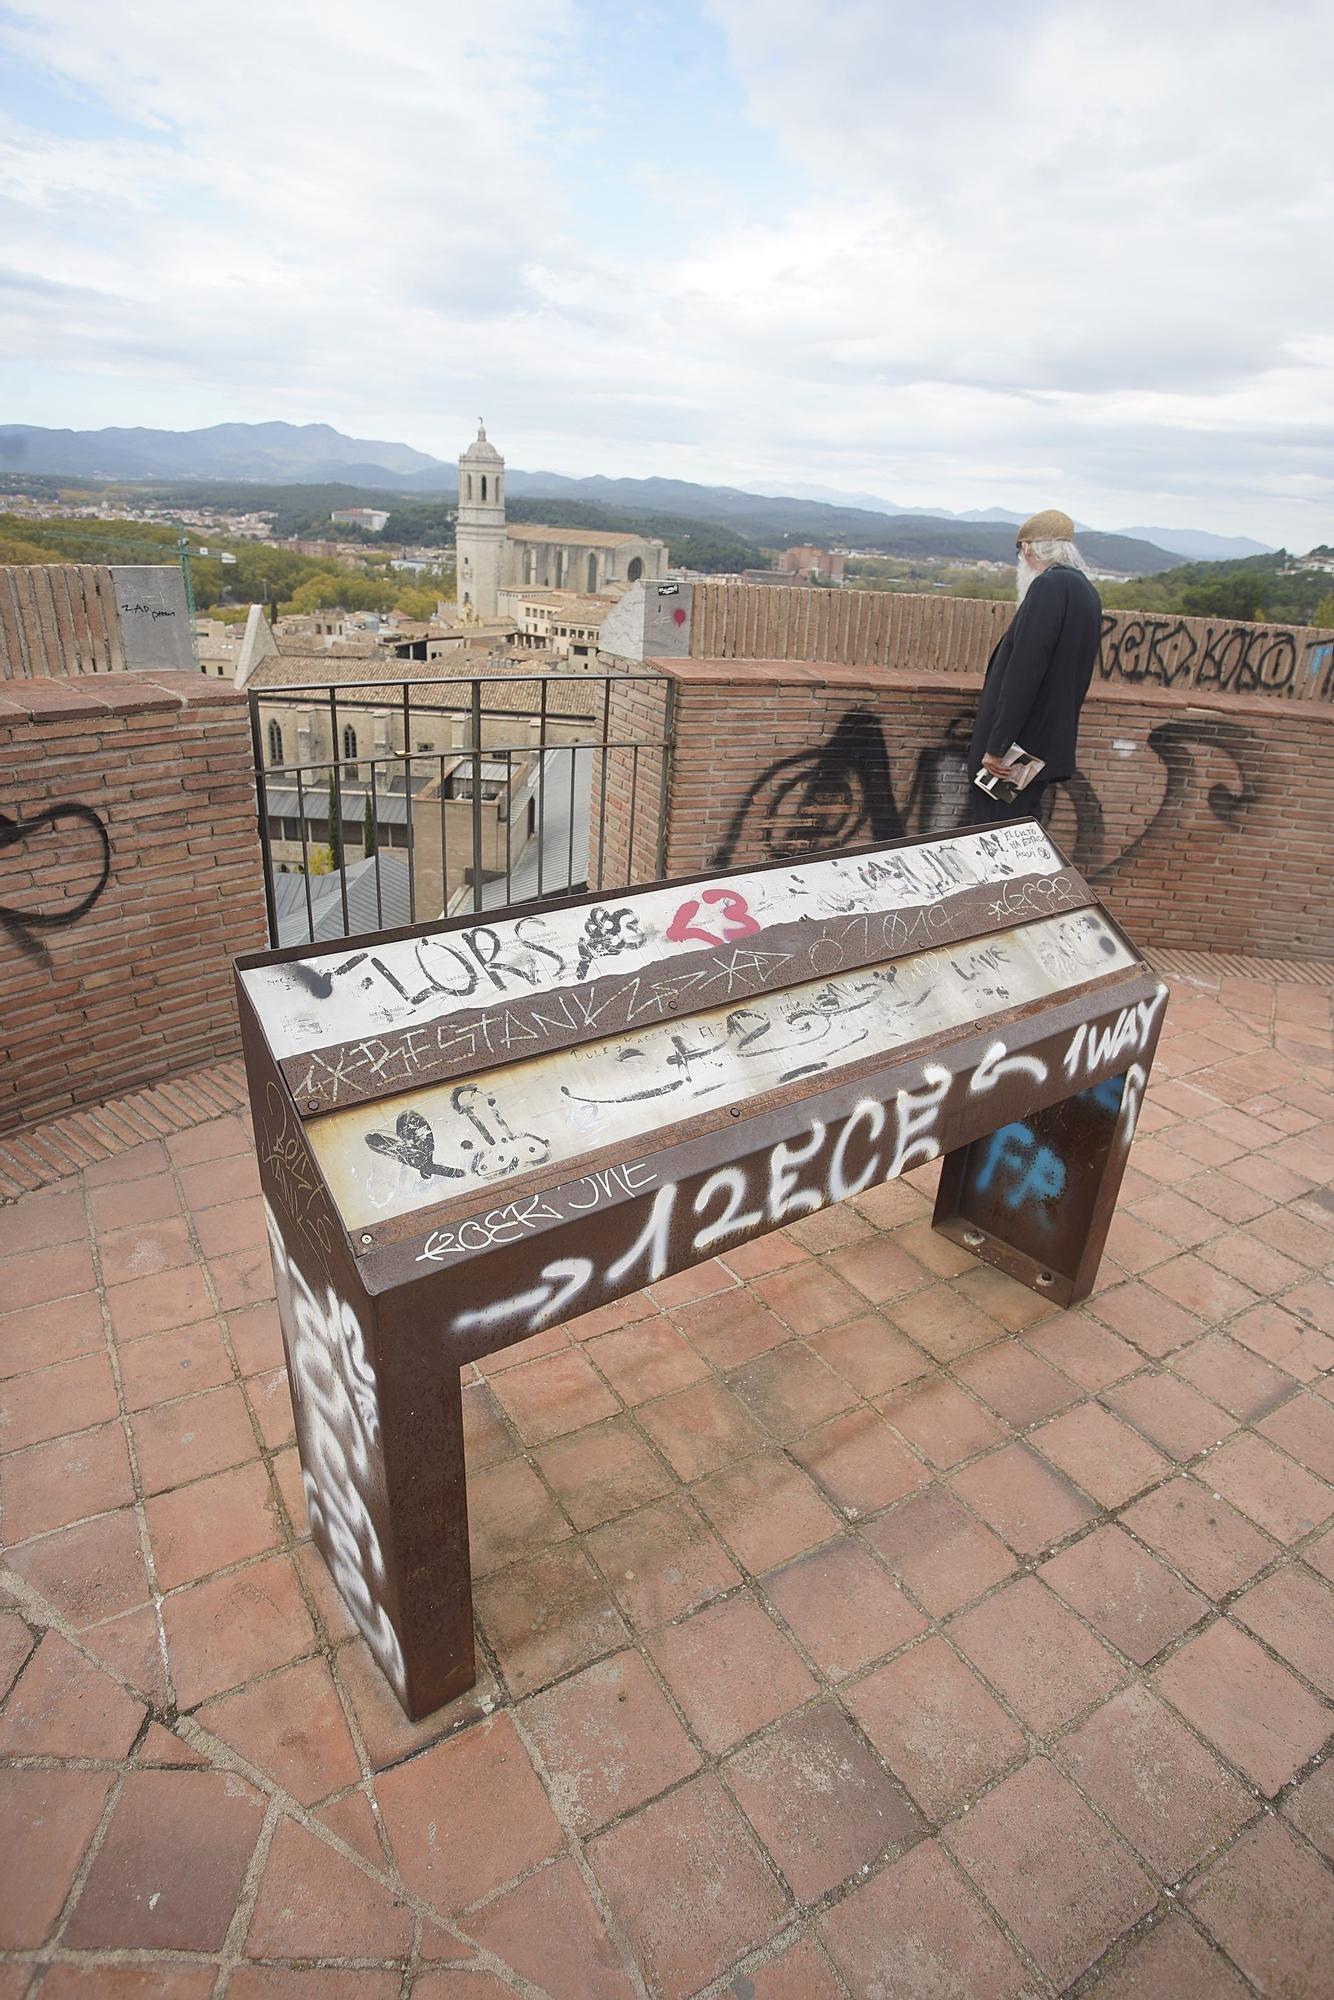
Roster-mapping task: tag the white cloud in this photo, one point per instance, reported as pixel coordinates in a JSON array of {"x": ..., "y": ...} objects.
[{"x": 1058, "y": 252}]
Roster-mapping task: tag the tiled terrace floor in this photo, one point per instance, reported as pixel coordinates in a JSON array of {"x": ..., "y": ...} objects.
[{"x": 852, "y": 1623}]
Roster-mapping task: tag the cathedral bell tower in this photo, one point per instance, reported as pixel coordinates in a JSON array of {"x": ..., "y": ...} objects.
[{"x": 479, "y": 534}]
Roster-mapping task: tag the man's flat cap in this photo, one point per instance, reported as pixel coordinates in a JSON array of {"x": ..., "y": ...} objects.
[{"x": 1049, "y": 526}]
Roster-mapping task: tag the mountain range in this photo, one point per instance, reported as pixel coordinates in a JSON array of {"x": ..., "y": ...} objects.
[{"x": 317, "y": 454}]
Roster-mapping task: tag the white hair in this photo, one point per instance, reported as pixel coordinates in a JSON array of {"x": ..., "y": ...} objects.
[{"x": 1058, "y": 552}]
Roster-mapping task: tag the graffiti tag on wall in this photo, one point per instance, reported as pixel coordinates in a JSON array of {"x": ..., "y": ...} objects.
[{"x": 25, "y": 923}]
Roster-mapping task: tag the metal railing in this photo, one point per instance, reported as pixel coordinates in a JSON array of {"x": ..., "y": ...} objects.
[{"x": 535, "y": 766}]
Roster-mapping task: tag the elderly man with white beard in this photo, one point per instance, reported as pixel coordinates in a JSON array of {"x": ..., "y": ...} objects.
[{"x": 1039, "y": 673}]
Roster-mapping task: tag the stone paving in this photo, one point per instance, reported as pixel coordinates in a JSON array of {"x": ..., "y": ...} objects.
[{"x": 851, "y": 1622}]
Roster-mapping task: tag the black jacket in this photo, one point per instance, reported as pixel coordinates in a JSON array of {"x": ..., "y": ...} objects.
[{"x": 1040, "y": 672}]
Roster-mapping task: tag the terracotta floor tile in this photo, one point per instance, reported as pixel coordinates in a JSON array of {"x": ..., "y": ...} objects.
[
  {"x": 700, "y": 1429},
  {"x": 809, "y": 1297},
  {"x": 1160, "y": 1788},
  {"x": 49, "y": 1403},
  {"x": 800, "y": 1972},
  {"x": 941, "y": 1732},
  {"x": 937, "y": 1254},
  {"x": 95, "y": 1979},
  {"x": 548, "y": 1930},
  {"x": 1313, "y": 1300},
  {"x": 1255, "y": 1263},
  {"x": 762, "y": 1255},
  {"x": 388, "y": 1735},
  {"x": 820, "y": 1802},
  {"x": 487, "y": 1438},
  {"x": 282, "y": 1982},
  {"x": 603, "y": 1471},
  {"x": 49, "y": 1817},
  {"x": 1267, "y": 1902},
  {"x": 1088, "y": 1353},
  {"x": 1192, "y": 1283},
  {"x": 1143, "y": 1316},
  {"x": 1130, "y": 1598},
  {"x": 270, "y": 1400},
  {"x": 167, "y": 1366},
  {"x": 213, "y": 1181},
  {"x": 944, "y": 1423},
  {"x": 292, "y": 1727},
  {"x": 90, "y": 1571},
  {"x": 1311, "y": 1808},
  {"x": 1257, "y": 1714},
  {"x": 766, "y": 1510},
  {"x": 859, "y": 1462},
  {"x": 832, "y": 1228},
  {"x": 1293, "y": 1612},
  {"x": 510, "y": 1516},
  {"x": 700, "y": 1281},
  {"x": 1179, "y": 1216},
  {"x": 1016, "y": 1845},
  {"x": 1027, "y": 1501},
  {"x": 1136, "y": 1245},
  {"x": 551, "y": 1340},
  {"x": 166, "y": 1298},
  {"x": 688, "y": 1887},
  {"x": 130, "y": 1644},
  {"x": 870, "y": 1354},
  {"x": 649, "y": 1359},
  {"x": 934, "y": 1545},
  {"x": 232, "y": 1225},
  {"x": 1285, "y": 1499},
  {"x": 790, "y": 1389},
  {"x": 226, "y": 1630},
  {"x": 916, "y": 1928},
  {"x": 34, "y": 1277},
  {"x": 1021, "y": 1386},
  {"x": 145, "y": 1249},
  {"x": 1285, "y": 1339},
  {"x": 1102, "y": 1455},
  {"x": 149, "y": 1158},
  {"x": 151, "y": 1198},
  {"x": 550, "y": 1397},
  {"x": 467, "y": 1815},
  {"x": 178, "y": 1442},
  {"x": 313, "y": 1903},
  {"x": 16, "y": 1644},
  {"x": 1243, "y": 1384},
  {"x": 1036, "y": 1654},
  {"x": 609, "y": 1740},
  {"x": 37, "y": 1221},
  {"x": 732, "y": 1328},
  {"x": 1217, "y": 1194},
  {"x": 731, "y": 1670},
  {"x": 1267, "y": 1176},
  {"x": 661, "y": 1562},
  {"x": 211, "y": 1525},
  {"x": 1170, "y": 1960},
  {"x": 50, "y": 1485},
  {"x": 879, "y": 1268},
  {"x": 943, "y": 1322},
  {"x": 215, "y": 1139},
  {"x": 169, "y": 1871},
  {"x": 256, "y": 1339},
  {"x": 1320, "y": 1555},
  {"x": 1012, "y": 1305},
  {"x": 1169, "y": 1414},
  {"x": 1296, "y": 1236},
  {"x": 59, "y": 1330},
  {"x": 242, "y": 1278},
  {"x": 64, "y": 1706},
  {"x": 1304, "y": 1428},
  {"x": 548, "y": 1615},
  {"x": 842, "y": 1607},
  {"x": 1209, "y": 1542}
]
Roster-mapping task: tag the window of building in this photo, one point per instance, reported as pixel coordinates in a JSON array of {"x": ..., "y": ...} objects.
[
  {"x": 592, "y": 574},
  {"x": 635, "y": 571},
  {"x": 275, "y": 744},
  {"x": 483, "y": 486}
]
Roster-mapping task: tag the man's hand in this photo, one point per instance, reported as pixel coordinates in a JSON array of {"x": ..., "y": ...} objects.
[{"x": 997, "y": 766}]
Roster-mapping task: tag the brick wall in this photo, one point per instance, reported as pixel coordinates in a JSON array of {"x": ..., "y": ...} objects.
[
  {"x": 626, "y": 835},
  {"x": 138, "y": 987},
  {"x": 910, "y": 632},
  {"x": 1203, "y": 823}
]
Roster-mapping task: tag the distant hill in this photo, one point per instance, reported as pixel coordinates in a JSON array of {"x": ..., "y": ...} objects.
[
  {"x": 317, "y": 455},
  {"x": 1199, "y": 546}
]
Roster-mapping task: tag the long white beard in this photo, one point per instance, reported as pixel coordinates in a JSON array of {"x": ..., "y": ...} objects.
[{"x": 1024, "y": 575}]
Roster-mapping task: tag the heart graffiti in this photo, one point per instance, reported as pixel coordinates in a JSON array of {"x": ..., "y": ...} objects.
[{"x": 24, "y": 924}]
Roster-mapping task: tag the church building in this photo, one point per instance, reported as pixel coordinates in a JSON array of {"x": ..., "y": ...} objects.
[{"x": 492, "y": 556}]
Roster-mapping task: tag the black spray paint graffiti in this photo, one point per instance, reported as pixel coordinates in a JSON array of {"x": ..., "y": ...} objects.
[
  {"x": 25, "y": 925},
  {"x": 1236, "y": 659},
  {"x": 842, "y": 792}
]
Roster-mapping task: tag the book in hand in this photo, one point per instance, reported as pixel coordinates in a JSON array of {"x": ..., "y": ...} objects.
[{"x": 1021, "y": 767}]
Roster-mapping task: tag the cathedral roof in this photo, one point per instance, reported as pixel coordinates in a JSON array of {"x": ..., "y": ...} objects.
[
  {"x": 481, "y": 451},
  {"x": 584, "y": 538}
]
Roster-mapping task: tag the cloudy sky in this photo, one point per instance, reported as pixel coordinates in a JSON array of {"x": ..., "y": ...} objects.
[{"x": 964, "y": 255}]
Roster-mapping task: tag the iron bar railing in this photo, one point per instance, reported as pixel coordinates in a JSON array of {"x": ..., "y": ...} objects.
[{"x": 479, "y": 792}]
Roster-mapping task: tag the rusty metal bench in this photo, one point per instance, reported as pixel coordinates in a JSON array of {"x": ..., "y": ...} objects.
[{"x": 472, "y": 1130}]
